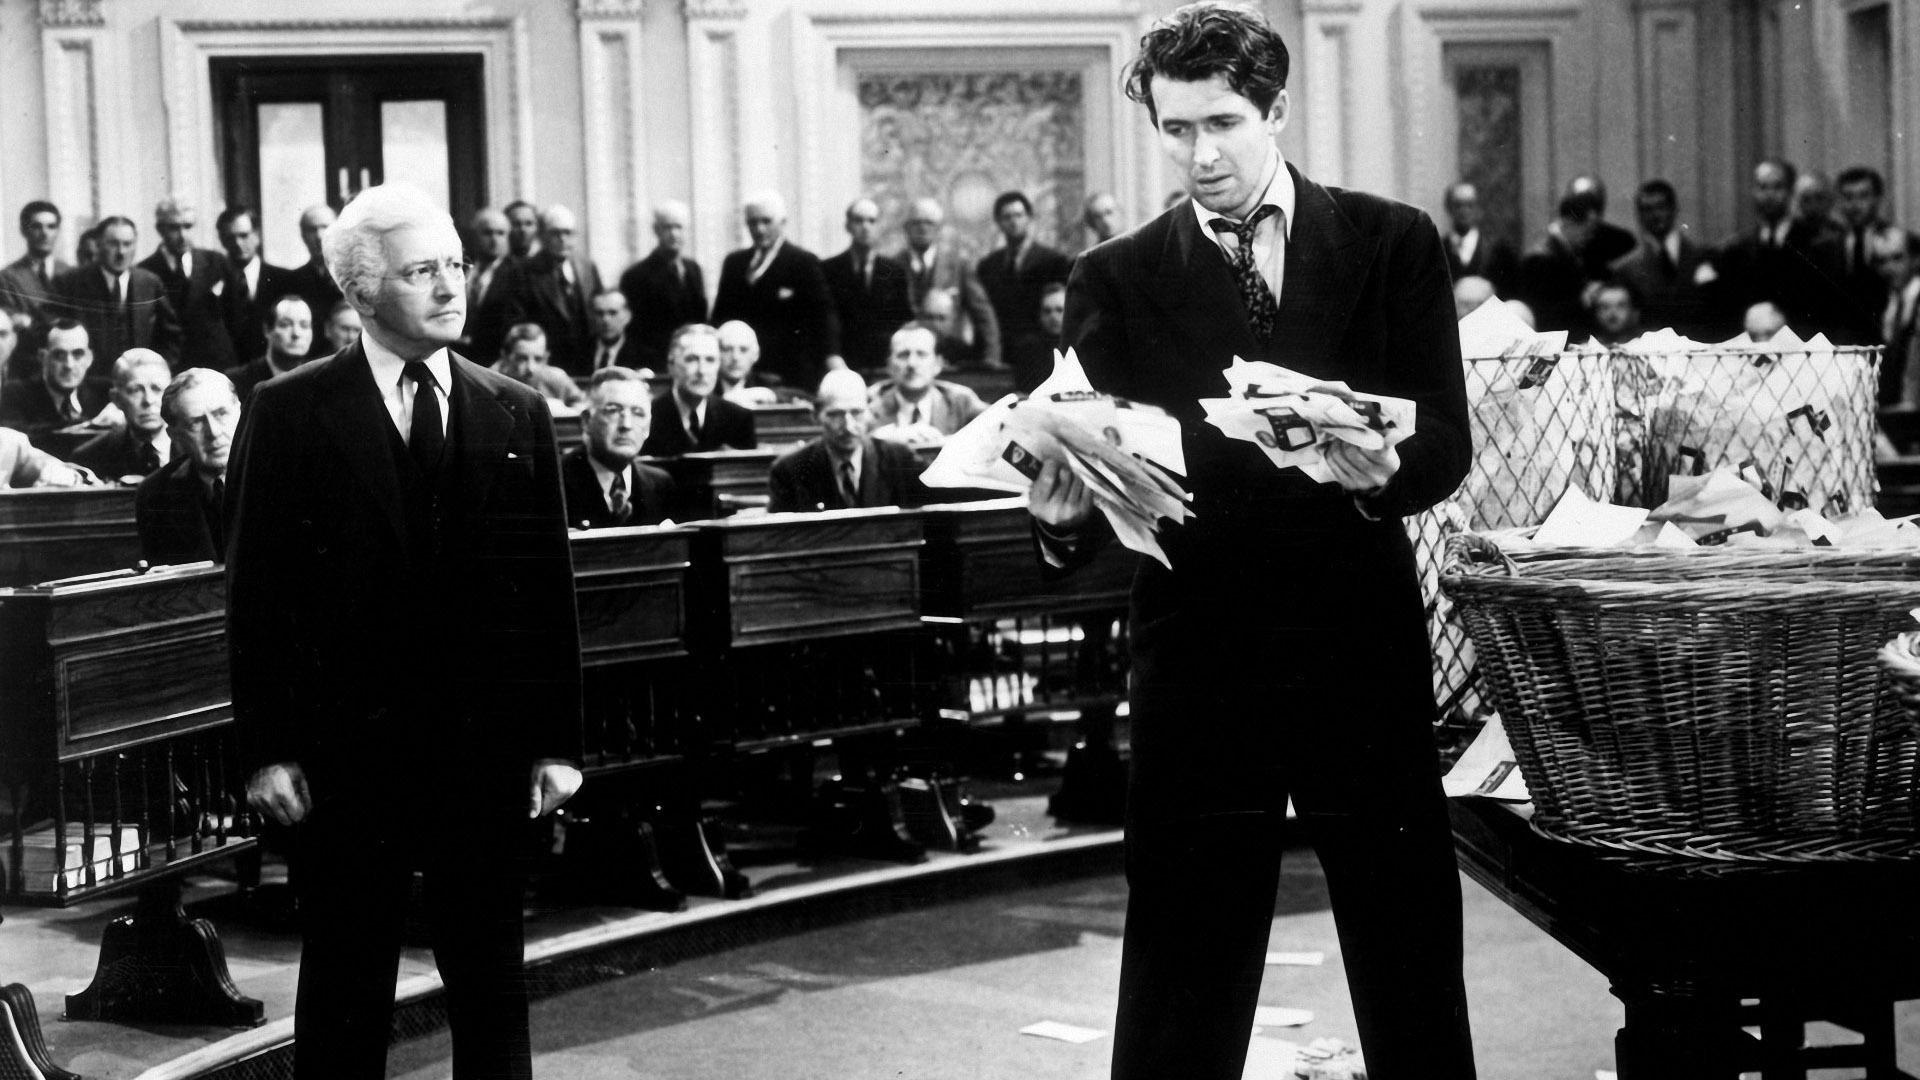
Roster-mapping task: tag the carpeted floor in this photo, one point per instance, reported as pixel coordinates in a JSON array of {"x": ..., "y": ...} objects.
[{"x": 943, "y": 992}]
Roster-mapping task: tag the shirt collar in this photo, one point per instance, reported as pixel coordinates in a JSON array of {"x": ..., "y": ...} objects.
[
  {"x": 1280, "y": 193},
  {"x": 606, "y": 475},
  {"x": 388, "y": 367}
]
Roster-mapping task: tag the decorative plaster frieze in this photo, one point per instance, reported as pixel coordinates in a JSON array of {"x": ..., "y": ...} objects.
[
  {"x": 715, "y": 9},
  {"x": 59, "y": 13},
  {"x": 609, "y": 9}
]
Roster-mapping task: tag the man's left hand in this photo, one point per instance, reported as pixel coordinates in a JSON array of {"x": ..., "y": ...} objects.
[
  {"x": 554, "y": 782},
  {"x": 1361, "y": 471}
]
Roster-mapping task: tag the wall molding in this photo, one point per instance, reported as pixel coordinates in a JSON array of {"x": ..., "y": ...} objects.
[
  {"x": 67, "y": 13},
  {"x": 187, "y": 46},
  {"x": 609, "y": 9},
  {"x": 612, "y": 129}
]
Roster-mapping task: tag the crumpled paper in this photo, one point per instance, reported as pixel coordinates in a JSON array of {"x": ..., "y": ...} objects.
[
  {"x": 1126, "y": 453},
  {"x": 1294, "y": 417}
]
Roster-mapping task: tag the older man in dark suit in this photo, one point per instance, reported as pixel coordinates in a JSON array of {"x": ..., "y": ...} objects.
[
  {"x": 665, "y": 291},
  {"x": 844, "y": 467},
  {"x": 1470, "y": 251},
  {"x": 776, "y": 287},
  {"x": 1250, "y": 687},
  {"x": 490, "y": 282},
  {"x": 140, "y": 447},
  {"x": 122, "y": 305},
  {"x": 869, "y": 290},
  {"x": 199, "y": 285},
  {"x": 933, "y": 269},
  {"x": 605, "y": 486},
  {"x": 554, "y": 289},
  {"x": 692, "y": 415},
  {"x": 179, "y": 510},
  {"x": 406, "y": 658}
]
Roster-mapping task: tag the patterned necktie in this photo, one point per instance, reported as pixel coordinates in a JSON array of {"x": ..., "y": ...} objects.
[
  {"x": 426, "y": 440},
  {"x": 849, "y": 487},
  {"x": 1263, "y": 312},
  {"x": 617, "y": 499}
]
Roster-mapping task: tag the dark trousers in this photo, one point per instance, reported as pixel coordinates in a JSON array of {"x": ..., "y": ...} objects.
[
  {"x": 352, "y": 877},
  {"x": 1214, "y": 760}
]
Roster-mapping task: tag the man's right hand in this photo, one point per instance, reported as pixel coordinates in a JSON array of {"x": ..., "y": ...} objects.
[
  {"x": 280, "y": 792},
  {"x": 1058, "y": 498}
]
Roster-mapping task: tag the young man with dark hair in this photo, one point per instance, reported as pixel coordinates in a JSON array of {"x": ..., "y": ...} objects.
[
  {"x": 1553, "y": 274},
  {"x": 27, "y": 282},
  {"x": 1665, "y": 270},
  {"x": 1249, "y": 687},
  {"x": 1013, "y": 275}
]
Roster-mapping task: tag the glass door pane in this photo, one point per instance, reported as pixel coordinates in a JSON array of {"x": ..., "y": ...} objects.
[
  {"x": 293, "y": 175},
  {"x": 413, "y": 145}
]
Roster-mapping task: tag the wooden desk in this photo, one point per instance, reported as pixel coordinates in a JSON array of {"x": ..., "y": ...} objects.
[
  {"x": 632, "y": 587},
  {"x": 50, "y": 533},
  {"x": 1683, "y": 947},
  {"x": 709, "y": 479},
  {"x": 981, "y": 565},
  {"x": 784, "y": 423}
]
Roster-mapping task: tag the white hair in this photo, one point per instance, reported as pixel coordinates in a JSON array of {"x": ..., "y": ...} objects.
[
  {"x": 355, "y": 246},
  {"x": 133, "y": 360},
  {"x": 172, "y": 205},
  {"x": 771, "y": 201}
]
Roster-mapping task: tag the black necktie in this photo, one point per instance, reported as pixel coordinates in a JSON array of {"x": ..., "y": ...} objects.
[
  {"x": 119, "y": 300},
  {"x": 693, "y": 424},
  {"x": 1263, "y": 312},
  {"x": 617, "y": 498},
  {"x": 1859, "y": 251},
  {"x": 849, "y": 487},
  {"x": 69, "y": 412},
  {"x": 425, "y": 438},
  {"x": 149, "y": 458}
]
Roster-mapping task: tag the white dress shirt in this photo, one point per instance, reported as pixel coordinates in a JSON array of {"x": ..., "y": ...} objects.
[
  {"x": 1270, "y": 237},
  {"x": 1464, "y": 244},
  {"x": 396, "y": 390}
]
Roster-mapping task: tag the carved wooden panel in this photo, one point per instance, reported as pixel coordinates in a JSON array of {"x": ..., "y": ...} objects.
[
  {"x": 52, "y": 533},
  {"x": 965, "y": 137},
  {"x": 631, "y": 586},
  {"x": 795, "y": 577},
  {"x": 787, "y": 422}
]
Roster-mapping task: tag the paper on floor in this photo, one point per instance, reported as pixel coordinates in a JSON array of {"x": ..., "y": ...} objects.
[
  {"x": 1276, "y": 1016},
  {"x": 1054, "y": 1029}
]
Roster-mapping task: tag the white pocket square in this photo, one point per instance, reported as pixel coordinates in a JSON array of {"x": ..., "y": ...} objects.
[{"x": 786, "y": 293}]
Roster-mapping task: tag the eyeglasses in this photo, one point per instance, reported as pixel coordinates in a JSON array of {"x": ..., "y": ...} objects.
[{"x": 422, "y": 274}]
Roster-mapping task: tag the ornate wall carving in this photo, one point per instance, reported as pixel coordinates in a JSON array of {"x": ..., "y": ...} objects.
[
  {"x": 716, "y": 9},
  {"x": 966, "y": 137},
  {"x": 73, "y": 13},
  {"x": 1490, "y": 144}
]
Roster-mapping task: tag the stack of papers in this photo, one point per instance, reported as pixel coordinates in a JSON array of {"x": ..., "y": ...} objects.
[
  {"x": 1127, "y": 454},
  {"x": 1294, "y": 417},
  {"x": 1493, "y": 330}
]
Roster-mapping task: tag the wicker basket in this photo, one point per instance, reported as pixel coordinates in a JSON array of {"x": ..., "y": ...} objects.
[{"x": 1714, "y": 704}]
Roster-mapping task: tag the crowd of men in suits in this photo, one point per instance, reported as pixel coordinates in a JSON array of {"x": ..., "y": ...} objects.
[{"x": 1820, "y": 256}]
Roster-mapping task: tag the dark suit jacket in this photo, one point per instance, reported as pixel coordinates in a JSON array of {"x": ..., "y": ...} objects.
[
  {"x": 727, "y": 426},
  {"x": 1801, "y": 278},
  {"x": 113, "y": 454},
  {"x": 1668, "y": 296},
  {"x": 26, "y": 406},
  {"x": 1550, "y": 281},
  {"x": 951, "y": 272},
  {"x": 789, "y": 308},
  {"x": 249, "y": 375},
  {"x": 176, "y": 518},
  {"x": 314, "y": 285},
  {"x": 1493, "y": 259},
  {"x": 433, "y": 669},
  {"x": 246, "y": 316},
  {"x": 1610, "y": 243},
  {"x": 540, "y": 295},
  {"x": 22, "y": 291},
  {"x": 1015, "y": 291},
  {"x": 869, "y": 311},
  {"x": 631, "y": 354},
  {"x": 1156, "y": 316},
  {"x": 803, "y": 480},
  {"x": 488, "y": 312},
  {"x": 204, "y": 302},
  {"x": 661, "y": 303},
  {"x": 650, "y": 493},
  {"x": 146, "y": 321}
]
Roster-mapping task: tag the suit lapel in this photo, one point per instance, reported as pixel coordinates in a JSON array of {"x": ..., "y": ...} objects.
[
  {"x": 362, "y": 431},
  {"x": 1326, "y": 266},
  {"x": 483, "y": 424},
  {"x": 1196, "y": 284}
]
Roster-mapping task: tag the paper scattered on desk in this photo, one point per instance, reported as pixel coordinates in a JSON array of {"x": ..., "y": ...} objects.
[
  {"x": 1296, "y": 959},
  {"x": 1126, "y": 453},
  {"x": 1276, "y": 1016},
  {"x": 1294, "y": 417},
  {"x": 1054, "y": 1029},
  {"x": 1488, "y": 768}
]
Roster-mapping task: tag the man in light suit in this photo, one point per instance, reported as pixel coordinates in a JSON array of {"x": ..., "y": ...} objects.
[
  {"x": 122, "y": 305},
  {"x": 914, "y": 396},
  {"x": 844, "y": 467},
  {"x": 554, "y": 289},
  {"x": 933, "y": 268},
  {"x": 665, "y": 290},
  {"x": 605, "y": 486},
  {"x": 1665, "y": 270},
  {"x": 26, "y": 284},
  {"x": 777, "y": 288},
  {"x": 691, "y": 415},
  {"x": 1250, "y": 687},
  {"x": 179, "y": 511},
  {"x": 405, "y": 654},
  {"x": 869, "y": 290},
  {"x": 199, "y": 285}
]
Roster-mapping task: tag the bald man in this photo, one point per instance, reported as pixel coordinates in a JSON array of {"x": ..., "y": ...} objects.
[
  {"x": 776, "y": 287},
  {"x": 665, "y": 290},
  {"x": 869, "y": 290},
  {"x": 844, "y": 466},
  {"x": 554, "y": 290}
]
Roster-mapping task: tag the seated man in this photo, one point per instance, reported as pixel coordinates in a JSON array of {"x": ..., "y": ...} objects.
[
  {"x": 739, "y": 352},
  {"x": 1762, "y": 321},
  {"x": 916, "y": 405},
  {"x": 523, "y": 357},
  {"x": 844, "y": 467},
  {"x": 342, "y": 328},
  {"x": 140, "y": 447},
  {"x": 1616, "y": 314},
  {"x": 23, "y": 466},
  {"x": 604, "y": 485},
  {"x": 60, "y": 396},
  {"x": 691, "y": 415},
  {"x": 289, "y": 327},
  {"x": 941, "y": 311},
  {"x": 178, "y": 510}
]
